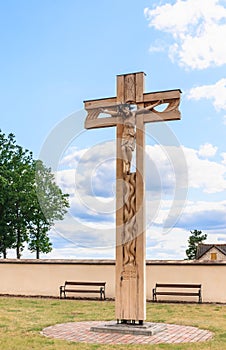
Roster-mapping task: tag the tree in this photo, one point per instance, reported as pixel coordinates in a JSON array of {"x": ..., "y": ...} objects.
[
  {"x": 7, "y": 147},
  {"x": 193, "y": 241},
  {"x": 21, "y": 182},
  {"x": 39, "y": 241},
  {"x": 30, "y": 200},
  {"x": 16, "y": 184},
  {"x": 48, "y": 204}
]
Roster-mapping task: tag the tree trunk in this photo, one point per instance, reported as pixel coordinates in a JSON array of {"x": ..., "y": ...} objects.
[
  {"x": 18, "y": 254},
  {"x": 37, "y": 246}
]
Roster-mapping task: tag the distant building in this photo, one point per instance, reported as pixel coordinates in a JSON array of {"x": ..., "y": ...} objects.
[{"x": 211, "y": 252}]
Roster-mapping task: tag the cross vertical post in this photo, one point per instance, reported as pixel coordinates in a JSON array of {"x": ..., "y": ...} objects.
[
  {"x": 130, "y": 265},
  {"x": 129, "y": 112}
]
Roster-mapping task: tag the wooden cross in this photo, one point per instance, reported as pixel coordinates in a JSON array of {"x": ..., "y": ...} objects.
[{"x": 129, "y": 111}]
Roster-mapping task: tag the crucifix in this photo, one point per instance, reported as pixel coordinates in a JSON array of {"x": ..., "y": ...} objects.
[{"x": 129, "y": 111}]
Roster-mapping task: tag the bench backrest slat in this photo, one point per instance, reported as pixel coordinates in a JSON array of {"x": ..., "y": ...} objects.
[
  {"x": 176, "y": 285},
  {"x": 70, "y": 283}
]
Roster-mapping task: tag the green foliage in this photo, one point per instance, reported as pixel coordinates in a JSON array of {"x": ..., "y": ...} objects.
[
  {"x": 30, "y": 200},
  {"x": 20, "y": 182},
  {"x": 53, "y": 202},
  {"x": 48, "y": 204},
  {"x": 193, "y": 241},
  {"x": 7, "y": 148}
]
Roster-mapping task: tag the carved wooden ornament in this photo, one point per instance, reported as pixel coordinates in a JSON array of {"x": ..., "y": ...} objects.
[{"x": 128, "y": 112}]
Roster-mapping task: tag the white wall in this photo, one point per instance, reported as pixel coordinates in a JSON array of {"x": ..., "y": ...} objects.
[{"x": 43, "y": 277}]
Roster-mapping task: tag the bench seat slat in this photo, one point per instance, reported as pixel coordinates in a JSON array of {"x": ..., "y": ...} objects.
[{"x": 82, "y": 290}]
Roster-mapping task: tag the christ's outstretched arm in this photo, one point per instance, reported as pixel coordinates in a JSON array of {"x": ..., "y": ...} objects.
[
  {"x": 148, "y": 108},
  {"x": 112, "y": 113}
]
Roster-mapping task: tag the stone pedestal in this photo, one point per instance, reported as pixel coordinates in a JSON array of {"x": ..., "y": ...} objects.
[{"x": 147, "y": 328}]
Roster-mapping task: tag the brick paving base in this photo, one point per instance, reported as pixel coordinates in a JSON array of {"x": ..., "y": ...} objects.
[{"x": 80, "y": 332}]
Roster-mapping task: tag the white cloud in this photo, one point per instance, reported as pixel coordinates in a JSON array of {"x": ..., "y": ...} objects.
[
  {"x": 168, "y": 172},
  {"x": 207, "y": 150},
  {"x": 198, "y": 31},
  {"x": 73, "y": 252},
  {"x": 166, "y": 168},
  {"x": 204, "y": 174},
  {"x": 223, "y": 154},
  {"x": 170, "y": 246},
  {"x": 205, "y": 215},
  {"x": 93, "y": 216},
  {"x": 215, "y": 92},
  {"x": 69, "y": 250},
  {"x": 195, "y": 214},
  {"x": 91, "y": 221},
  {"x": 156, "y": 48}
]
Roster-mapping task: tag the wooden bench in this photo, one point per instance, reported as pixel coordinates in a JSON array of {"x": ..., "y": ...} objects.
[
  {"x": 168, "y": 289},
  {"x": 83, "y": 287}
]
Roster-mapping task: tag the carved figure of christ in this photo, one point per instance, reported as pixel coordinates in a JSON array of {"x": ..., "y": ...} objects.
[
  {"x": 130, "y": 295},
  {"x": 128, "y": 116}
]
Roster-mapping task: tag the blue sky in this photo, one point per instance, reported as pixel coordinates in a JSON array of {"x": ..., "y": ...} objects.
[{"x": 56, "y": 54}]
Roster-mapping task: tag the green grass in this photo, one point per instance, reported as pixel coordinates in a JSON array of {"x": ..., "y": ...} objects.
[{"x": 22, "y": 319}]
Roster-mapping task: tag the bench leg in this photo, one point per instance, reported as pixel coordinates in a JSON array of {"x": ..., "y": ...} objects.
[
  {"x": 102, "y": 293},
  {"x": 154, "y": 298},
  {"x": 62, "y": 292}
]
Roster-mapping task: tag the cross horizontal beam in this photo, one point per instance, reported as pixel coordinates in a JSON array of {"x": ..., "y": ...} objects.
[{"x": 170, "y": 97}]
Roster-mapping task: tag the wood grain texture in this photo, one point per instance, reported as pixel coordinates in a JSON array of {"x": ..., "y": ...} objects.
[{"x": 130, "y": 295}]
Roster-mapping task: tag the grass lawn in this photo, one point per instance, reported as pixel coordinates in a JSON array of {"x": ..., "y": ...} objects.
[{"x": 22, "y": 319}]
